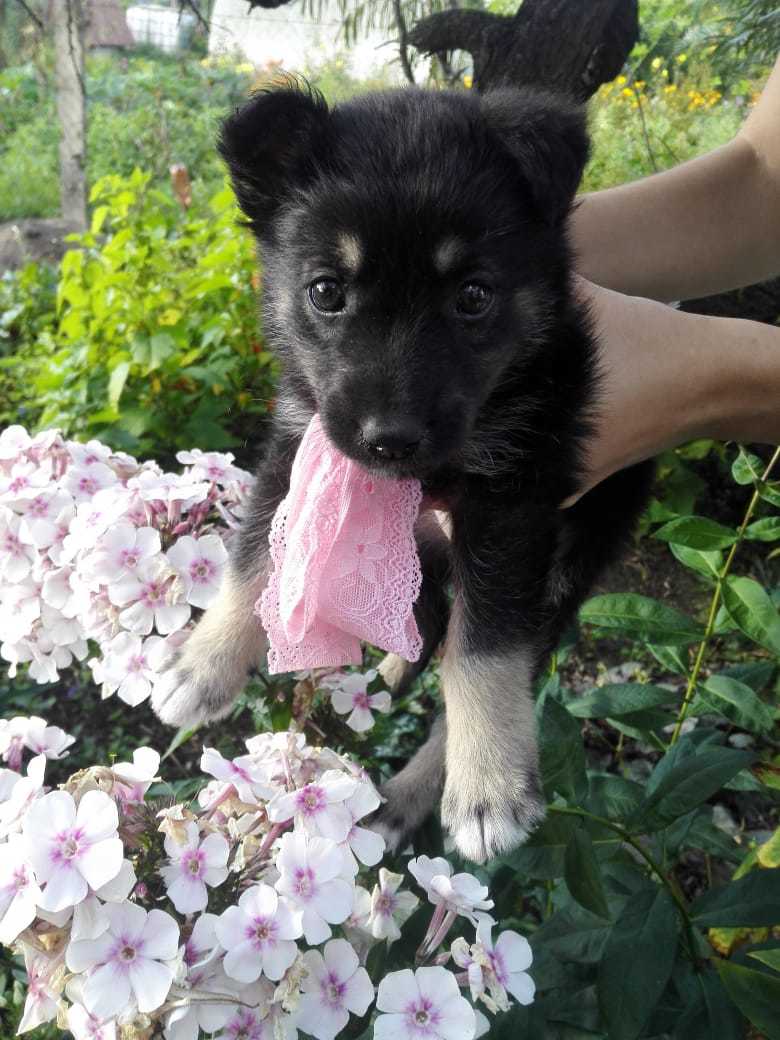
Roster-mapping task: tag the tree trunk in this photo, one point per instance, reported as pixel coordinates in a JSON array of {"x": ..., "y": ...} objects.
[{"x": 68, "y": 23}]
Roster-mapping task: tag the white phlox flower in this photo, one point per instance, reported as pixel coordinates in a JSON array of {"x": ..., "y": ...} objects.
[
  {"x": 43, "y": 739},
  {"x": 72, "y": 850},
  {"x": 199, "y": 563},
  {"x": 45, "y": 977},
  {"x": 135, "y": 778},
  {"x": 243, "y": 773},
  {"x": 423, "y": 1005},
  {"x": 459, "y": 893},
  {"x": 16, "y": 558},
  {"x": 19, "y": 891},
  {"x": 119, "y": 552},
  {"x": 389, "y": 907},
  {"x": 214, "y": 466},
  {"x": 84, "y": 482},
  {"x": 132, "y": 664},
  {"x": 319, "y": 806},
  {"x": 24, "y": 791},
  {"x": 334, "y": 986},
  {"x": 364, "y": 844},
  {"x": 193, "y": 865},
  {"x": 310, "y": 870},
  {"x": 87, "y": 1027},
  {"x": 259, "y": 935},
  {"x": 350, "y": 696},
  {"x": 127, "y": 962},
  {"x": 148, "y": 598},
  {"x": 204, "y": 975}
]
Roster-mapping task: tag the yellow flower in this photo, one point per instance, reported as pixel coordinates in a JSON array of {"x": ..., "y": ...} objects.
[
  {"x": 621, "y": 80},
  {"x": 682, "y": 58},
  {"x": 656, "y": 64},
  {"x": 468, "y": 81},
  {"x": 627, "y": 92}
]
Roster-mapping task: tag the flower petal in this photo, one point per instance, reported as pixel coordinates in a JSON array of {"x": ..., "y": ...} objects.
[
  {"x": 101, "y": 862},
  {"x": 151, "y": 982},
  {"x": 397, "y": 990},
  {"x": 160, "y": 936}
]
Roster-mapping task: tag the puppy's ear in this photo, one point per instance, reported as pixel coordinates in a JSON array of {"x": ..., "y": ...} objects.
[
  {"x": 547, "y": 136},
  {"x": 270, "y": 145}
]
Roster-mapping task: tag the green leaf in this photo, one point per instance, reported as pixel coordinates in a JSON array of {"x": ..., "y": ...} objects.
[
  {"x": 708, "y": 1014},
  {"x": 736, "y": 701},
  {"x": 751, "y": 901},
  {"x": 613, "y": 796},
  {"x": 769, "y": 957},
  {"x": 697, "y": 532},
  {"x": 670, "y": 657},
  {"x": 755, "y": 993},
  {"x": 751, "y": 609},
  {"x": 637, "y": 961},
  {"x": 543, "y": 855},
  {"x": 708, "y": 564},
  {"x": 582, "y": 874},
  {"x": 181, "y": 736},
  {"x": 561, "y": 751},
  {"x": 641, "y": 617},
  {"x": 619, "y": 699},
  {"x": 689, "y": 782},
  {"x": 766, "y": 530},
  {"x": 747, "y": 468},
  {"x": 116, "y": 383}
]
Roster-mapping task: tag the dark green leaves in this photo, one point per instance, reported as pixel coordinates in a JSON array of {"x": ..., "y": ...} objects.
[
  {"x": 583, "y": 875},
  {"x": 680, "y": 782},
  {"x": 641, "y": 617},
  {"x": 756, "y": 994},
  {"x": 752, "y": 901},
  {"x": 736, "y": 701},
  {"x": 636, "y": 963},
  {"x": 561, "y": 751},
  {"x": 751, "y": 609},
  {"x": 697, "y": 532},
  {"x": 619, "y": 699}
]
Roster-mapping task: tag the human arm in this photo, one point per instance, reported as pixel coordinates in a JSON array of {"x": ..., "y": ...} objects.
[
  {"x": 705, "y": 226},
  {"x": 669, "y": 377}
]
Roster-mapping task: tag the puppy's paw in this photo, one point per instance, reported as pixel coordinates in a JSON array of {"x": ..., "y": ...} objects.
[
  {"x": 493, "y": 816},
  {"x": 182, "y": 697}
]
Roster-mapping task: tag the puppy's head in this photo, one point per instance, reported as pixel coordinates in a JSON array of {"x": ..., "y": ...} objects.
[{"x": 414, "y": 249}]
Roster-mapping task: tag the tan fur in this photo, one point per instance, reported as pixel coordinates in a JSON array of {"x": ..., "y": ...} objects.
[
  {"x": 491, "y": 796},
  {"x": 212, "y": 667},
  {"x": 447, "y": 254},
  {"x": 393, "y": 670},
  {"x": 351, "y": 252}
]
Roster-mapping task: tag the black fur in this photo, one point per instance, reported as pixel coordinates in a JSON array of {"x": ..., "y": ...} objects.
[{"x": 500, "y": 404}]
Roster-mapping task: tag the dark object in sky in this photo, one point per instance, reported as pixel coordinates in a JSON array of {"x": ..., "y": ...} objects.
[{"x": 566, "y": 45}]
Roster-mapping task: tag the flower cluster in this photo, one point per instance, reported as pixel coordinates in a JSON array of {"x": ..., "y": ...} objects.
[
  {"x": 246, "y": 914},
  {"x": 96, "y": 547}
]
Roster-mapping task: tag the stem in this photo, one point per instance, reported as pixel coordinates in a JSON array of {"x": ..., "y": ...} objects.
[
  {"x": 715, "y": 603},
  {"x": 668, "y": 883}
]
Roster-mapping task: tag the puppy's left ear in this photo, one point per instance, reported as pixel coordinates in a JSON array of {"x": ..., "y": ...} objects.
[
  {"x": 271, "y": 146},
  {"x": 547, "y": 136}
]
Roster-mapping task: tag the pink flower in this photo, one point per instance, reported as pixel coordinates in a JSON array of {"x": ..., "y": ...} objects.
[
  {"x": 86, "y": 1027},
  {"x": 41, "y": 520},
  {"x": 389, "y": 907},
  {"x": 72, "y": 850},
  {"x": 199, "y": 562},
  {"x": 423, "y": 1005},
  {"x": 310, "y": 876},
  {"x": 504, "y": 964},
  {"x": 19, "y": 892},
  {"x": 136, "y": 777},
  {"x": 318, "y": 806},
  {"x": 50, "y": 741},
  {"x": 350, "y": 694},
  {"x": 16, "y": 558},
  {"x": 246, "y": 1024},
  {"x": 84, "y": 482},
  {"x": 258, "y": 935},
  {"x": 334, "y": 986},
  {"x": 214, "y": 466},
  {"x": 126, "y": 961},
  {"x": 193, "y": 865}
]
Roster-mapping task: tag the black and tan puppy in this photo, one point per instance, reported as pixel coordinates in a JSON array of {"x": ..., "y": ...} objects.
[{"x": 417, "y": 286}]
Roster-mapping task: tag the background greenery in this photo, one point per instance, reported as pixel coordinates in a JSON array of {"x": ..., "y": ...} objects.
[{"x": 651, "y": 894}]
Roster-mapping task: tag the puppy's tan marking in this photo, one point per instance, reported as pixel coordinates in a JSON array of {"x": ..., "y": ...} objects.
[
  {"x": 213, "y": 665},
  {"x": 351, "y": 252},
  {"x": 447, "y": 254}
]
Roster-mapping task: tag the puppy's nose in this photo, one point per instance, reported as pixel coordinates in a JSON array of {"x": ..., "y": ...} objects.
[{"x": 392, "y": 440}]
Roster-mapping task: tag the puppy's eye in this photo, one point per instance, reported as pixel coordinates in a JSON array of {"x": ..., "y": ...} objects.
[
  {"x": 327, "y": 294},
  {"x": 473, "y": 299}
]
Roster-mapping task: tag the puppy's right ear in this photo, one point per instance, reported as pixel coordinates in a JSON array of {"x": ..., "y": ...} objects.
[{"x": 270, "y": 146}]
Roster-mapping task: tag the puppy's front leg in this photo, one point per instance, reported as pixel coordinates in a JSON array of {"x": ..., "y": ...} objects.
[
  {"x": 492, "y": 795},
  {"x": 212, "y": 667}
]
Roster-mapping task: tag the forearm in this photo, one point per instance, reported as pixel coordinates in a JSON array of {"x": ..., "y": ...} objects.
[
  {"x": 705, "y": 226},
  {"x": 670, "y": 377}
]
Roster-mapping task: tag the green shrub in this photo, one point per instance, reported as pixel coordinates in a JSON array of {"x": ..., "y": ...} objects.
[{"x": 153, "y": 345}]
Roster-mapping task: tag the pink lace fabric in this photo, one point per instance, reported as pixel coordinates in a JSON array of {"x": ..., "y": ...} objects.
[{"x": 345, "y": 563}]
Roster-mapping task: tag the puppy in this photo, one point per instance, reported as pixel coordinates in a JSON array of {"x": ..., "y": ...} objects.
[{"x": 418, "y": 289}]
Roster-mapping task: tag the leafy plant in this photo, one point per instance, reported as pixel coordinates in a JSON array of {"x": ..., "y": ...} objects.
[{"x": 154, "y": 346}]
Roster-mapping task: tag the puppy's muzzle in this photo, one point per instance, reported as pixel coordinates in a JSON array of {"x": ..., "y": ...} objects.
[{"x": 392, "y": 441}]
